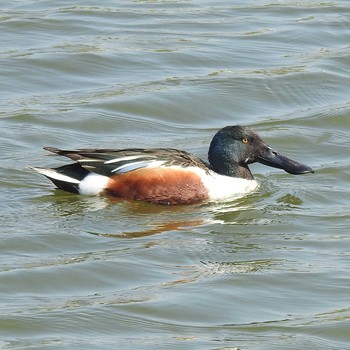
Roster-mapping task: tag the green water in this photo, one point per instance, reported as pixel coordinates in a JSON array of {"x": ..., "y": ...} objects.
[{"x": 269, "y": 271}]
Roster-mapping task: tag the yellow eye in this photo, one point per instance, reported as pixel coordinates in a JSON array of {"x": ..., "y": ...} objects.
[{"x": 245, "y": 140}]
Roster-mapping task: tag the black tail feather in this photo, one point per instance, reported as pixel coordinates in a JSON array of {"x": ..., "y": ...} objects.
[{"x": 74, "y": 171}]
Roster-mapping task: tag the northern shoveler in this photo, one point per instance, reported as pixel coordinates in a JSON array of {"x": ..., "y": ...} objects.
[{"x": 170, "y": 176}]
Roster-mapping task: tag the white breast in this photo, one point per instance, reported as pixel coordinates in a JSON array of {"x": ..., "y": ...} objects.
[{"x": 223, "y": 187}]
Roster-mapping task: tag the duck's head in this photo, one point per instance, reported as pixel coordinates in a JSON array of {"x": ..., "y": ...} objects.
[{"x": 234, "y": 147}]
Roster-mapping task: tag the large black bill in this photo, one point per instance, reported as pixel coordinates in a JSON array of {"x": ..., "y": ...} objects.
[{"x": 272, "y": 158}]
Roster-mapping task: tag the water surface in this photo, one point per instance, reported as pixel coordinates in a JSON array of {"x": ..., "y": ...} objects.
[{"x": 269, "y": 271}]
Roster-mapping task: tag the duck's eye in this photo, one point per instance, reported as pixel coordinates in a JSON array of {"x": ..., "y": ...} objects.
[{"x": 245, "y": 140}]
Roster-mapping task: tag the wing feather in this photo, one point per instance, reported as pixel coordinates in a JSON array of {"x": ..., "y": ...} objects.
[{"x": 113, "y": 161}]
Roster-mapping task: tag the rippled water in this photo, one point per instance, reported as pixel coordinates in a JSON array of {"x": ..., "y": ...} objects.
[{"x": 270, "y": 271}]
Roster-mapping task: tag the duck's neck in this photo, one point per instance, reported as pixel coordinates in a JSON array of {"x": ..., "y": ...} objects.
[
  {"x": 243, "y": 172},
  {"x": 233, "y": 170},
  {"x": 223, "y": 163}
]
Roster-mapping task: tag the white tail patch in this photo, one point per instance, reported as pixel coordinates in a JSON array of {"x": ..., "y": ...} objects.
[{"x": 93, "y": 184}]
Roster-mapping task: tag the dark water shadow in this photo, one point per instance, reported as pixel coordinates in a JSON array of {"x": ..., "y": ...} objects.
[{"x": 156, "y": 229}]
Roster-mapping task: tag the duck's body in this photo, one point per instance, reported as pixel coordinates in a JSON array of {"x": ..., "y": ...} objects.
[{"x": 170, "y": 176}]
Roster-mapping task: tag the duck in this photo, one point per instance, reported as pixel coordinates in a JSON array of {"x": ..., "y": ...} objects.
[{"x": 171, "y": 176}]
